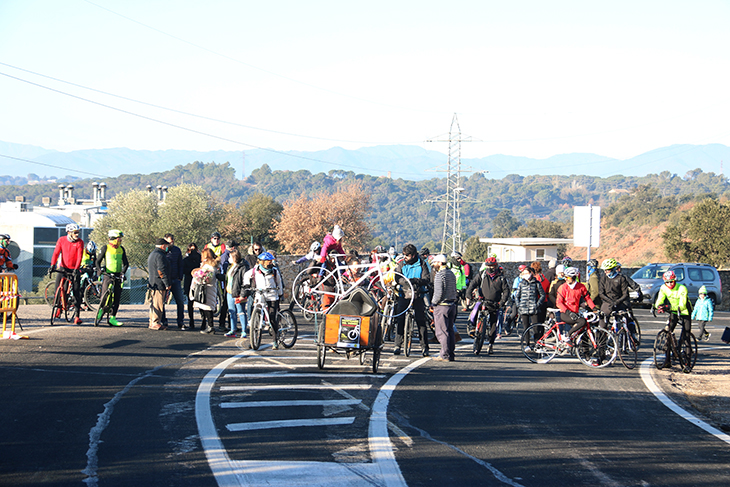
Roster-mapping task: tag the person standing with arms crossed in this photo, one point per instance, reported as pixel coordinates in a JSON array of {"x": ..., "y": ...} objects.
[
  {"x": 71, "y": 251},
  {"x": 159, "y": 283}
]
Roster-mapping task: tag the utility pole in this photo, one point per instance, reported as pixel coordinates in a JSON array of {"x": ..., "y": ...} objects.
[{"x": 451, "y": 238}]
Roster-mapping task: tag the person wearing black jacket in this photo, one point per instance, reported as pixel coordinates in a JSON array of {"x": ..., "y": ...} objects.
[
  {"x": 159, "y": 283},
  {"x": 174, "y": 256},
  {"x": 494, "y": 290},
  {"x": 190, "y": 261},
  {"x": 416, "y": 270},
  {"x": 613, "y": 288}
]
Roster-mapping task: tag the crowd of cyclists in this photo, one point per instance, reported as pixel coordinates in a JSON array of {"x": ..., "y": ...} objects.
[{"x": 223, "y": 276}]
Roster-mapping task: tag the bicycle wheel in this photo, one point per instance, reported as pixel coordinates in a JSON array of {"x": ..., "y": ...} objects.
[
  {"x": 479, "y": 334},
  {"x": 255, "y": 340},
  {"x": 386, "y": 322},
  {"x": 57, "y": 308},
  {"x": 49, "y": 293},
  {"x": 305, "y": 291},
  {"x": 537, "y": 345},
  {"x": 628, "y": 352},
  {"x": 287, "y": 329},
  {"x": 637, "y": 333},
  {"x": 596, "y": 347},
  {"x": 408, "y": 334},
  {"x": 688, "y": 352},
  {"x": 92, "y": 295},
  {"x": 660, "y": 348},
  {"x": 104, "y": 307},
  {"x": 406, "y": 289},
  {"x": 67, "y": 299}
]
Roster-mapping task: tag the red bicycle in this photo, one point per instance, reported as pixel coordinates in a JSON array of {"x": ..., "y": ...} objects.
[{"x": 63, "y": 300}]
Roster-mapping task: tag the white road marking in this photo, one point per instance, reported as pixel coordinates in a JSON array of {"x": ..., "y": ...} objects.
[
  {"x": 293, "y": 387},
  {"x": 271, "y": 375},
  {"x": 645, "y": 371},
  {"x": 288, "y": 423},
  {"x": 303, "y": 402}
]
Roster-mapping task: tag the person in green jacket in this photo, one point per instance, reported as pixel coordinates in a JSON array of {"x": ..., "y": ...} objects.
[{"x": 673, "y": 298}]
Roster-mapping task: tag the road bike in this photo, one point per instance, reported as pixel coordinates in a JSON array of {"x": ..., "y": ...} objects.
[
  {"x": 594, "y": 346},
  {"x": 63, "y": 300},
  {"x": 332, "y": 283},
  {"x": 312, "y": 301},
  {"x": 481, "y": 328},
  {"x": 260, "y": 320},
  {"x": 409, "y": 328},
  {"x": 621, "y": 324},
  {"x": 90, "y": 292},
  {"x": 684, "y": 350},
  {"x": 106, "y": 303}
]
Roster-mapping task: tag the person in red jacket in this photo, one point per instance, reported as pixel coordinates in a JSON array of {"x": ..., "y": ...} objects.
[
  {"x": 569, "y": 298},
  {"x": 71, "y": 250}
]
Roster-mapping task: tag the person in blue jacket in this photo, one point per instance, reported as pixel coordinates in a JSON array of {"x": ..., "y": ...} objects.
[{"x": 704, "y": 309}]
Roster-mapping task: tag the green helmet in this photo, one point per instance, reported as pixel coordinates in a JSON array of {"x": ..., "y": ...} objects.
[{"x": 609, "y": 264}]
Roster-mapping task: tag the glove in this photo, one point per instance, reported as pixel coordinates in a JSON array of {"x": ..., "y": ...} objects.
[
  {"x": 595, "y": 309},
  {"x": 51, "y": 269},
  {"x": 573, "y": 316},
  {"x": 15, "y": 266},
  {"x": 239, "y": 300}
]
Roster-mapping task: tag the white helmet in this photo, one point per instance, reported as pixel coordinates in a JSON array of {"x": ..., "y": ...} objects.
[
  {"x": 572, "y": 272},
  {"x": 72, "y": 227},
  {"x": 315, "y": 246}
]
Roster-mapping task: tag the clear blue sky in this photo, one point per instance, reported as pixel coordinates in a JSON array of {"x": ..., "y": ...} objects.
[{"x": 527, "y": 78}]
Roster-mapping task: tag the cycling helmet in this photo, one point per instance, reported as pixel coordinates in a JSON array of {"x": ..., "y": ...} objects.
[
  {"x": 379, "y": 249},
  {"x": 492, "y": 255},
  {"x": 572, "y": 272},
  {"x": 669, "y": 276},
  {"x": 456, "y": 254},
  {"x": 391, "y": 251},
  {"x": 265, "y": 256},
  {"x": 566, "y": 261},
  {"x": 72, "y": 227},
  {"x": 425, "y": 251},
  {"x": 609, "y": 264},
  {"x": 490, "y": 261},
  {"x": 115, "y": 234},
  {"x": 91, "y": 247},
  {"x": 521, "y": 268},
  {"x": 215, "y": 235},
  {"x": 4, "y": 236},
  {"x": 315, "y": 247},
  {"x": 593, "y": 263}
]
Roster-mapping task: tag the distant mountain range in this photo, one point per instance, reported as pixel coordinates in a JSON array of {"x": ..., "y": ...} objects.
[{"x": 397, "y": 161}]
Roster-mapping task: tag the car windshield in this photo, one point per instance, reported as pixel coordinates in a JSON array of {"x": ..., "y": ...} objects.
[{"x": 650, "y": 272}]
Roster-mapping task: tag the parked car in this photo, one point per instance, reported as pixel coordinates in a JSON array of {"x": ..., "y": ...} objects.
[{"x": 691, "y": 275}]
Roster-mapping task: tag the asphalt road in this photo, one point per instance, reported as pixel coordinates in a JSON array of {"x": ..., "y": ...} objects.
[{"x": 131, "y": 406}]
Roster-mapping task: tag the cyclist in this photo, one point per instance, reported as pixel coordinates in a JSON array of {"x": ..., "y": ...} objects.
[
  {"x": 613, "y": 289},
  {"x": 674, "y": 298},
  {"x": 494, "y": 290},
  {"x": 415, "y": 269},
  {"x": 266, "y": 277},
  {"x": 88, "y": 261},
  {"x": 70, "y": 249},
  {"x": 5, "y": 260},
  {"x": 114, "y": 257},
  {"x": 570, "y": 295},
  {"x": 314, "y": 250}
]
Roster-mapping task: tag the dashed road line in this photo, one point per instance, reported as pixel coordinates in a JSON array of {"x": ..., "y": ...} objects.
[{"x": 289, "y": 423}]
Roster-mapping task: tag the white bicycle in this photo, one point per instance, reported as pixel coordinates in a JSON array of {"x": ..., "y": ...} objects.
[{"x": 311, "y": 285}]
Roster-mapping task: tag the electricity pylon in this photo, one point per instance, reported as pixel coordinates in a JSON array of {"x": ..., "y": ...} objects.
[{"x": 453, "y": 198}]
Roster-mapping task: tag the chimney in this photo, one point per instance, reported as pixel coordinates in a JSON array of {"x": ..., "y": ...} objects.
[
  {"x": 70, "y": 192},
  {"x": 61, "y": 194},
  {"x": 159, "y": 192},
  {"x": 102, "y": 191},
  {"x": 46, "y": 201},
  {"x": 20, "y": 199},
  {"x": 149, "y": 188},
  {"x": 95, "y": 192},
  {"x": 164, "y": 193}
]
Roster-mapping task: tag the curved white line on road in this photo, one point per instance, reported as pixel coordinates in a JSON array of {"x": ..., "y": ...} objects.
[{"x": 645, "y": 371}]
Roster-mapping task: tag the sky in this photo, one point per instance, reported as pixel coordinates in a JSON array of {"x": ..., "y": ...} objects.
[{"x": 524, "y": 78}]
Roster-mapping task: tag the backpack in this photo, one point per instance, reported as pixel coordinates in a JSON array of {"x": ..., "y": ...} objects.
[{"x": 198, "y": 292}]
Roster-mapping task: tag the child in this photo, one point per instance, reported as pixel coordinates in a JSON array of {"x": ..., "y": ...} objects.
[
  {"x": 703, "y": 312},
  {"x": 234, "y": 283}
]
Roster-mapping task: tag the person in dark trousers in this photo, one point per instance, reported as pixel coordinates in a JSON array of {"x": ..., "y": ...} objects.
[
  {"x": 223, "y": 317},
  {"x": 190, "y": 261},
  {"x": 114, "y": 257},
  {"x": 159, "y": 283},
  {"x": 174, "y": 257},
  {"x": 443, "y": 306},
  {"x": 414, "y": 269},
  {"x": 494, "y": 290}
]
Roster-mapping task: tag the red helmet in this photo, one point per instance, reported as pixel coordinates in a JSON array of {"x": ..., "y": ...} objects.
[
  {"x": 491, "y": 261},
  {"x": 669, "y": 276},
  {"x": 522, "y": 268}
]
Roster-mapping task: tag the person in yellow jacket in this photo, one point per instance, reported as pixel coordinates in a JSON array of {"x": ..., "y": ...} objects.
[
  {"x": 114, "y": 257},
  {"x": 673, "y": 298}
]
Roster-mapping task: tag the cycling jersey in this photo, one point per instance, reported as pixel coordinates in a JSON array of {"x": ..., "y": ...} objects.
[{"x": 677, "y": 298}]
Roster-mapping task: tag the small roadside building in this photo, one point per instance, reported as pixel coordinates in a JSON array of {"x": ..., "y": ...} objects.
[{"x": 525, "y": 249}]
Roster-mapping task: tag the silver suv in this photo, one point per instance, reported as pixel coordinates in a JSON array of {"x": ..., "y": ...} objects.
[{"x": 694, "y": 276}]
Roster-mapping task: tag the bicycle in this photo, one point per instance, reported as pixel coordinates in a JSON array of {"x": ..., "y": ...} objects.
[
  {"x": 481, "y": 327},
  {"x": 594, "y": 346},
  {"x": 312, "y": 301},
  {"x": 106, "y": 304},
  {"x": 91, "y": 292},
  {"x": 375, "y": 280},
  {"x": 260, "y": 319},
  {"x": 408, "y": 331},
  {"x": 685, "y": 351},
  {"x": 63, "y": 300},
  {"x": 620, "y": 322}
]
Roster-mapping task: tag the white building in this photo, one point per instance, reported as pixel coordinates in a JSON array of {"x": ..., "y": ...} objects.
[{"x": 525, "y": 249}]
